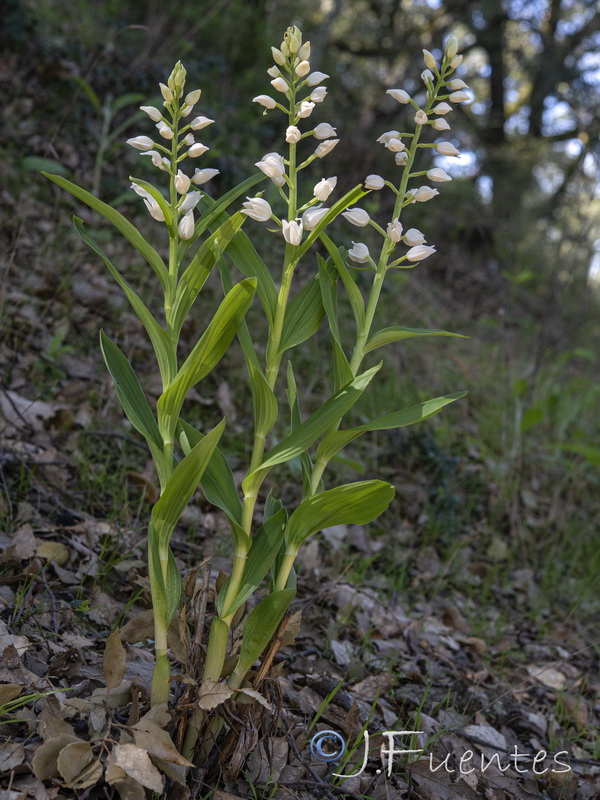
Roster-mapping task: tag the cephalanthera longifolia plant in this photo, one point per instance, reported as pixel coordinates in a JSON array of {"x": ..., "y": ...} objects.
[{"x": 200, "y": 231}]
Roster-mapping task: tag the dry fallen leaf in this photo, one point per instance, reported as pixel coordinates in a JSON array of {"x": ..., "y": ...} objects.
[
  {"x": 549, "y": 676},
  {"x": 136, "y": 763},
  {"x": 157, "y": 742},
  {"x": 78, "y": 766},
  {"x": 20, "y": 643},
  {"x": 8, "y": 692},
  {"x": 212, "y": 694},
  {"x": 128, "y": 788},
  {"x": 55, "y": 552},
  {"x": 45, "y": 760},
  {"x": 113, "y": 663},
  {"x": 252, "y": 693},
  {"x": 12, "y": 754}
]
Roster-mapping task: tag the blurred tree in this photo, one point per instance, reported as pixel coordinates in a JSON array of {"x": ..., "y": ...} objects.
[{"x": 531, "y": 137}]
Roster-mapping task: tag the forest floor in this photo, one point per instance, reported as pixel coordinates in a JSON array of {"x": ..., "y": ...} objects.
[{"x": 467, "y": 615}]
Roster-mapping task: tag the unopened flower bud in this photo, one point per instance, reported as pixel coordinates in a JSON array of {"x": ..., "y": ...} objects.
[
  {"x": 440, "y": 124},
  {"x": 204, "y": 175},
  {"x": 400, "y": 95},
  {"x": 302, "y": 69},
  {"x": 420, "y": 252},
  {"x": 357, "y": 216},
  {"x": 451, "y": 47},
  {"x": 325, "y": 147},
  {"x": 401, "y": 158},
  {"x": 318, "y": 94},
  {"x": 154, "y": 209},
  {"x": 446, "y": 149},
  {"x": 185, "y": 229},
  {"x": 394, "y": 230},
  {"x": 141, "y": 142},
  {"x": 312, "y": 217},
  {"x": 257, "y": 208},
  {"x": 200, "y": 122},
  {"x": 305, "y": 109},
  {"x": 280, "y": 84},
  {"x": 442, "y": 108},
  {"x": 413, "y": 237},
  {"x": 420, "y": 117},
  {"x": 324, "y": 188},
  {"x": 154, "y": 113},
  {"x": 186, "y": 111},
  {"x": 273, "y": 167},
  {"x": 424, "y": 193},
  {"x": 265, "y": 100},
  {"x": 189, "y": 139},
  {"x": 395, "y": 145},
  {"x": 278, "y": 56},
  {"x": 457, "y": 84},
  {"x": 292, "y": 231},
  {"x": 456, "y": 62},
  {"x": 323, "y": 131},
  {"x": 192, "y": 98},
  {"x": 165, "y": 131},
  {"x": 292, "y": 134},
  {"x": 182, "y": 182},
  {"x": 304, "y": 52},
  {"x": 197, "y": 150},
  {"x": 273, "y": 72},
  {"x": 189, "y": 202},
  {"x": 385, "y": 137},
  {"x": 374, "y": 182},
  {"x": 427, "y": 77},
  {"x": 438, "y": 175},
  {"x": 293, "y": 42},
  {"x": 316, "y": 77},
  {"x": 458, "y": 97},
  {"x": 285, "y": 50},
  {"x": 359, "y": 252},
  {"x": 156, "y": 158},
  {"x": 166, "y": 93},
  {"x": 429, "y": 59}
]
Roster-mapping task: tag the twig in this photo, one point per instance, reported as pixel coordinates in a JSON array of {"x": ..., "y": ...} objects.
[{"x": 318, "y": 781}]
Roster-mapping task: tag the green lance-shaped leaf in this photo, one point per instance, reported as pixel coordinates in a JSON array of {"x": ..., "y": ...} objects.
[
  {"x": 129, "y": 391},
  {"x": 342, "y": 204},
  {"x": 263, "y": 551},
  {"x": 264, "y": 402},
  {"x": 129, "y": 231},
  {"x": 342, "y": 374},
  {"x": 134, "y": 403},
  {"x": 260, "y": 626},
  {"x": 194, "y": 277},
  {"x": 182, "y": 485},
  {"x": 355, "y": 297},
  {"x": 217, "y": 481},
  {"x": 334, "y": 442},
  {"x": 160, "y": 199},
  {"x": 309, "y": 431},
  {"x": 357, "y": 503},
  {"x": 246, "y": 259},
  {"x": 398, "y": 333},
  {"x": 303, "y": 316},
  {"x": 296, "y": 421},
  {"x": 206, "y": 354},
  {"x": 165, "y": 597},
  {"x": 165, "y": 353}
]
